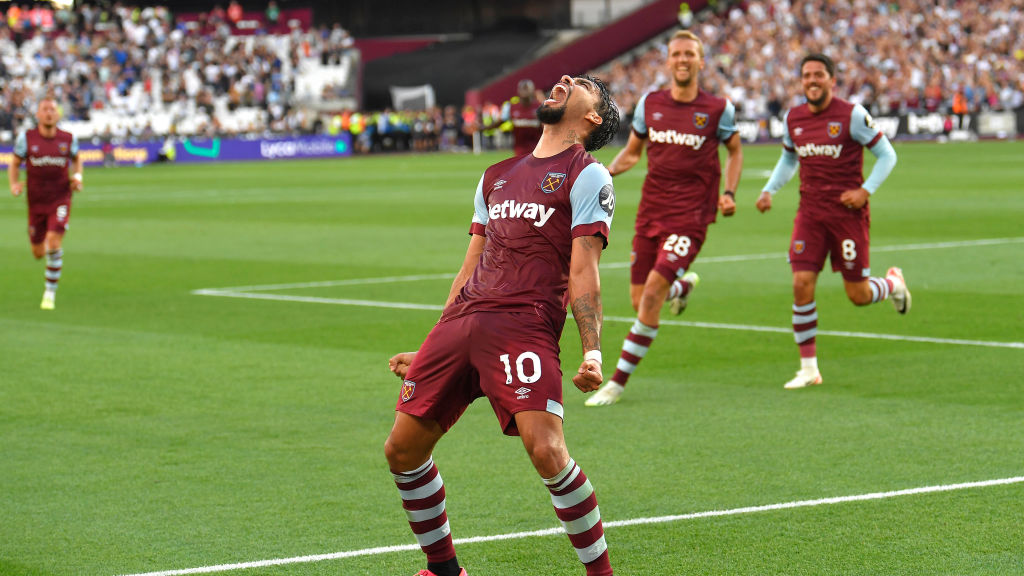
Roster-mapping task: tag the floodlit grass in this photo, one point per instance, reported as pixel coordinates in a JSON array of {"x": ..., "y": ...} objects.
[{"x": 145, "y": 428}]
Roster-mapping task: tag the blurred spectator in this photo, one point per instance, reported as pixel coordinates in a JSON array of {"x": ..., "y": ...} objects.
[
  {"x": 117, "y": 61},
  {"x": 897, "y": 57}
]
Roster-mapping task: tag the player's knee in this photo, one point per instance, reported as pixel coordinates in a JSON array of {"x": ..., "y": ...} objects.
[
  {"x": 859, "y": 297},
  {"x": 399, "y": 456},
  {"x": 548, "y": 458}
]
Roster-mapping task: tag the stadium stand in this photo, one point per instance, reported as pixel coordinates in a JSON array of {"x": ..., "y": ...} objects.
[
  {"x": 147, "y": 72},
  {"x": 891, "y": 57},
  {"x": 142, "y": 72}
]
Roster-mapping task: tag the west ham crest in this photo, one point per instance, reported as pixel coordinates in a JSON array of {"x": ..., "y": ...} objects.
[
  {"x": 408, "y": 389},
  {"x": 552, "y": 181},
  {"x": 835, "y": 129},
  {"x": 798, "y": 246},
  {"x": 700, "y": 120},
  {"x": 63, "y": 148}
]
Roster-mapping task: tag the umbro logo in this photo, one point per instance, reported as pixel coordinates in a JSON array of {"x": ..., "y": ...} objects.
[
  {"x": 499, "y": 184},
  {"x": 798, "y": 131},
  {"x": 657, "y": 115},
  {"x": 523, "y": 393}
]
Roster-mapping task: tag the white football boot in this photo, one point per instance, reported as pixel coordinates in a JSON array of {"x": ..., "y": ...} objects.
[
  {"x": 900, "y": 293},
  {"x": 606, "y": 395},
  {"x": 804, "y": 378},
  {"x": 48, "y": 302},
  {"x": 678, "y": 304}
]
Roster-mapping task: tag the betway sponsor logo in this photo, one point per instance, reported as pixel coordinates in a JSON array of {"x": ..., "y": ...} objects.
[
  {"x": 44, "y": 161},
  {"x": 539, "y": 213},
  {"x": 830, "y": 150},
  {"x": 678, "y": 138}
]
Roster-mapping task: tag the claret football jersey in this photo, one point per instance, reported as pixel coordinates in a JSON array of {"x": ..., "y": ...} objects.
[
  {"x": 530, "y": 209},
  {"x": 683, "y": 171},
  {"x": 830, "y": 147}
]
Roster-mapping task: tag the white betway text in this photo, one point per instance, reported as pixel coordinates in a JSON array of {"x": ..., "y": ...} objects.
[
  {"x": 830, "y": 150},
  {"x": 49, "y": 161},
  {"x": 512, "y": 209},
  {"x": 679, "y": 138}
]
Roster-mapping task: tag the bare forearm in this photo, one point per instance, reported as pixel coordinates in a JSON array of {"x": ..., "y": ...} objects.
[
  {"x": 460, "y": 280},
  {"x": 586, "y": 310},
  {"x": 621, "y": 163},
  {"x": 733, "y": 169},
  {"x": 476, "y": 247},
  {"x": 585, "y": 291}
]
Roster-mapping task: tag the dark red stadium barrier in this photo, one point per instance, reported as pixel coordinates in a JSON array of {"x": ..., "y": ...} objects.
[
  {"x": 371, "y": 49},
  {"x": 588, "y": 52}
]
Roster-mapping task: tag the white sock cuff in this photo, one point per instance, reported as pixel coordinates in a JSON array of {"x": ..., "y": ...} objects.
[{"x": 644, "y": 330}]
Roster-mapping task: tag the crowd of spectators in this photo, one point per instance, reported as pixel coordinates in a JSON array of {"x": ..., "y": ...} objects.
[
  {"x": 893, "y": 57},
  {"x": 119, "y": 59}
]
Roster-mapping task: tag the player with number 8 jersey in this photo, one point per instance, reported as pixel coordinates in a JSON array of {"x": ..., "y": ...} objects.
[
  {"x": 826, "y": 137},
  {"x": 539, "y": 226},
  {"x": 48, "y": 153}
]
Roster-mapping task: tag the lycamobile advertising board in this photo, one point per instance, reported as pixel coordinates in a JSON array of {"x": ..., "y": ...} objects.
[
  {"x": 228, "y": 150},
  {"x": 212, "y": 150}
]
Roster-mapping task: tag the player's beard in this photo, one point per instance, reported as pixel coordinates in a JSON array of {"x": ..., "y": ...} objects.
[
  {"x": 550, "y": 114},
  {"x": 824, "y": 94},
  {"x": 685, "y": 83}
]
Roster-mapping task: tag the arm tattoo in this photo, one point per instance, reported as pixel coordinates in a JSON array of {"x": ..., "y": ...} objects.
[{"x": 586, "y": 309}]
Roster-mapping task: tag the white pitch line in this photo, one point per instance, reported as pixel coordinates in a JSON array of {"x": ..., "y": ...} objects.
[
  {"x": 225, "y": 293},
  {"x": 839, "y": 333},
  {"x": 612, "y": 265},
  {"x": 331, "y": 283},
  {"x": 316, "y": 300},
  {"x": 613, "y": 524},
  {"x": 895, "y": 248}
]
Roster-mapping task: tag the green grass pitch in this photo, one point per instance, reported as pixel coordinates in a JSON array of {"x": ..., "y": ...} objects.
[{"x": 145, "y": 428}]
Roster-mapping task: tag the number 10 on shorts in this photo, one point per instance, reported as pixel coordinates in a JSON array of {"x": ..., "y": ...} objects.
[{"x": 521, "y": 361}]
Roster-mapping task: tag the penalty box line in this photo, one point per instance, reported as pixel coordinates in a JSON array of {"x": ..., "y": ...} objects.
[
  {"x": 228, "y": 293},
  {"x": 612, "y": 524},
  {"x": 258, "y": 292}
]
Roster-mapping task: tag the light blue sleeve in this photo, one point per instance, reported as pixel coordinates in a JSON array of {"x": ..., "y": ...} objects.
[
  {"x": 884, "y": 163},
  {"x": 727, "y": 123},
  {"x": 592, "y": 196},
  {"x": 784, "y": 170},
  {"x": 480, "y": 205},
  {"x": 506, "y": 111},
  {"x": 21, "y": 145},
  {"x": 787, "y": 140},
  {"x": 74, "y": 145},
  {"x": 786, "y": 167},
  {"x": 639, "y": 124},
  {"x": 862, "y": 126}
]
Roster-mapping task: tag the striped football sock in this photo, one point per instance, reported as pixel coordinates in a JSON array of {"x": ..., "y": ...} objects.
[
  {"x": 576, "y": 507},
  {"x": 422, "y": 492},
  {"x": 805, "y": 328},
  {"x": 634, "y": 348},
  {"x": 54, "y": 263},
  {"x": 880, "y": 289}
]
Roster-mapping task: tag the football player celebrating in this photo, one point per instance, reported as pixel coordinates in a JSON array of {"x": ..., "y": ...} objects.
[
  {"x": 826, "y": 137},
  {"x": 540, "y": 224},
  {"x": 682, "y": 127}
]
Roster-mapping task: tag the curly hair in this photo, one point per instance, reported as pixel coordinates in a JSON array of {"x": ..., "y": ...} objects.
[{"x": 608, "y": 110}]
